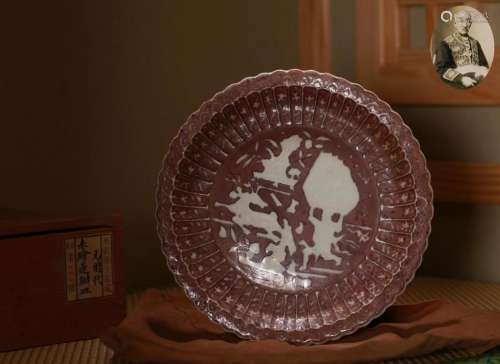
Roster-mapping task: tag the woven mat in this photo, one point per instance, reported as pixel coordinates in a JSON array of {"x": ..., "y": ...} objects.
[{"x": 472, "y": 294}]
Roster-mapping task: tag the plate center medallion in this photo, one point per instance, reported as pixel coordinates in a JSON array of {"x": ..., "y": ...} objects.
[{"x": 290, "y": 206}]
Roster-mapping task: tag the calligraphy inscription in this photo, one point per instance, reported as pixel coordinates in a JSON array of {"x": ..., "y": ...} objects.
[{"x": 88, "y": 267}]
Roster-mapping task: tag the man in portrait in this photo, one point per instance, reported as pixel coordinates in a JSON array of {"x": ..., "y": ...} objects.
[{"x": 459, "y": 58}]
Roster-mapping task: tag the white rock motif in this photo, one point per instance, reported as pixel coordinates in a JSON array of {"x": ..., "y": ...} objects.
[{"x": 328, "y": 187}]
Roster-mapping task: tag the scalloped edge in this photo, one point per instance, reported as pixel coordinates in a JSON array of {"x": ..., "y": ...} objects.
[{"x": 203, "y": 304}]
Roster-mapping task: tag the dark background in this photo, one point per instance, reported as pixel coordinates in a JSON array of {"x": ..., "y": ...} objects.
[{"x": 94, "y": 90}]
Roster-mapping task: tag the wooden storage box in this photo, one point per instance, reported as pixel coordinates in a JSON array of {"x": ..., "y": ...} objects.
[{"x": 61, "y": 278}]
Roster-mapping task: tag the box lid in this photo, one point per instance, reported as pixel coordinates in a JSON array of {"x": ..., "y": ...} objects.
[{"x": 17, "y": 222}]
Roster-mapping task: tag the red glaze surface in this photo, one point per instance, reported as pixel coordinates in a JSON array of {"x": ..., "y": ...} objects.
[{"x": 294, "y": 205}]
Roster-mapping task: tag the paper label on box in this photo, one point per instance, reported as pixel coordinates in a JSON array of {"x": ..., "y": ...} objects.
[{"x": 89, "y": 271}]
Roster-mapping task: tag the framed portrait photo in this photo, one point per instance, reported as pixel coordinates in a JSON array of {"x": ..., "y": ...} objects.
[{"x": 413, "y": 52}]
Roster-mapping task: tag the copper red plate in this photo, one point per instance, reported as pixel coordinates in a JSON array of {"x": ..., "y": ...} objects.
[{"x": 294, "y": 205}]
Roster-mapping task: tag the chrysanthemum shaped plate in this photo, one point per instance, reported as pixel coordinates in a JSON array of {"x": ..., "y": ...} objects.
[{"x": 294, "y": 205}]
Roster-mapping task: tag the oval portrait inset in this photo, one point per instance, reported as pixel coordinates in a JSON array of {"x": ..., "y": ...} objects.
[{"x": 462, "y": 47}]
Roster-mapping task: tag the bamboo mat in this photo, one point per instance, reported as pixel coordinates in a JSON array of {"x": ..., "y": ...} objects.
[{"x": 472, "y": 294}]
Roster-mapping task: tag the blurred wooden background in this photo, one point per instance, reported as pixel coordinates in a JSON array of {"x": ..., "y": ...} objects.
[{"x": 93, "y": 91}]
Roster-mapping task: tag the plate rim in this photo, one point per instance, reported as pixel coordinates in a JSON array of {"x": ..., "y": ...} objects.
[{"x": 169, "y": 163}]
